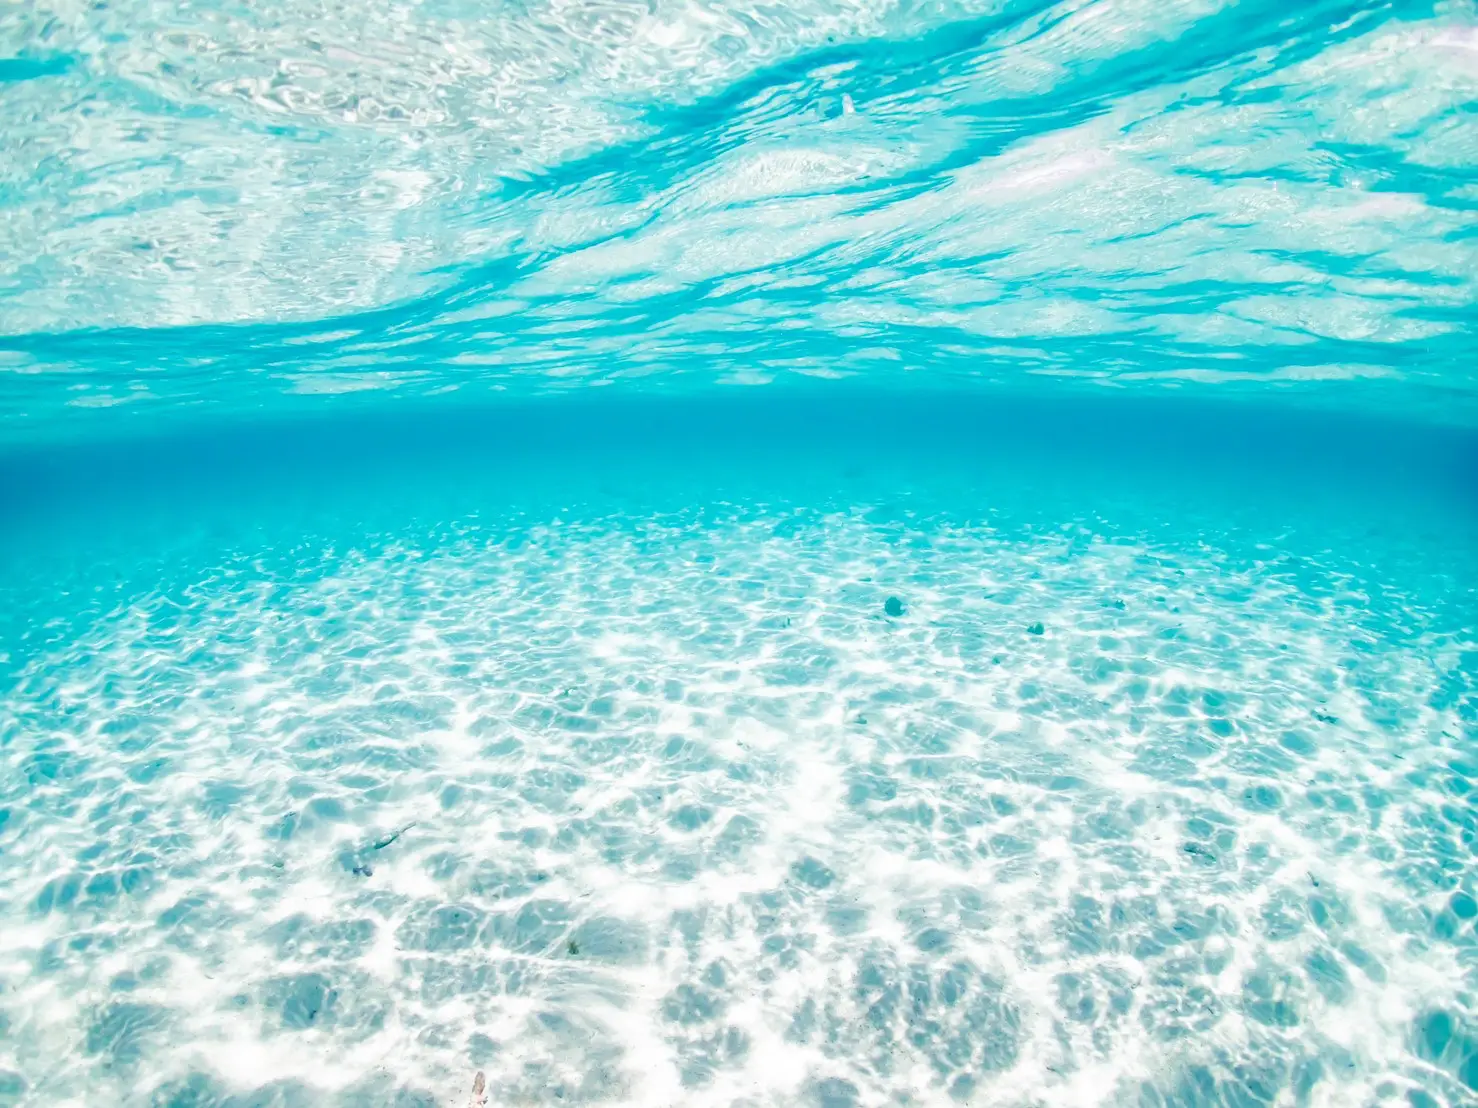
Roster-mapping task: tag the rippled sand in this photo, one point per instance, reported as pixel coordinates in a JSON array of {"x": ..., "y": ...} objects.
[{"x": 668, "y": 810}]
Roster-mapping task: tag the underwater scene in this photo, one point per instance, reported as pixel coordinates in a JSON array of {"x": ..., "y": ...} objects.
[{"x": 730, "y": 553}]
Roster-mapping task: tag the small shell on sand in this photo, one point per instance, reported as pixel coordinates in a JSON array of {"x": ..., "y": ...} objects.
[{"x": 479, "y": 1092}]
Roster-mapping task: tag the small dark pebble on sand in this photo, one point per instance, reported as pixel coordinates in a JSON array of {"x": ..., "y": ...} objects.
[{"x": 893, "y": 607}]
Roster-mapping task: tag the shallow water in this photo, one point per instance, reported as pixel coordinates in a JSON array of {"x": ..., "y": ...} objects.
[
  {"x": 610, "y": 775},
  {"x": 733, "y": 554}
]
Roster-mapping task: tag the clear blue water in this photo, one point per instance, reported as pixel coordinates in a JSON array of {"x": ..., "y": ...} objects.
[{"x": 710, "y": 553}]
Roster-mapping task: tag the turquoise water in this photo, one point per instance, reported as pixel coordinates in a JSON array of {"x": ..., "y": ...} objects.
[{"x": 724, "y": 554}]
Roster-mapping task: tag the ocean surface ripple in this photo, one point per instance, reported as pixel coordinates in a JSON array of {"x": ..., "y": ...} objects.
[{"x": 229, "y": 206}]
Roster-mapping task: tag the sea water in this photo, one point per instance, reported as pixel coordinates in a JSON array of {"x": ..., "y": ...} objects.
[{"x": 739, "y": 554}]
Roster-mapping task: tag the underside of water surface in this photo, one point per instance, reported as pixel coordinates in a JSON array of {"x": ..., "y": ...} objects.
[
  {"x": 728, "y": 553},
  {"x": 223, "y": 205}
]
